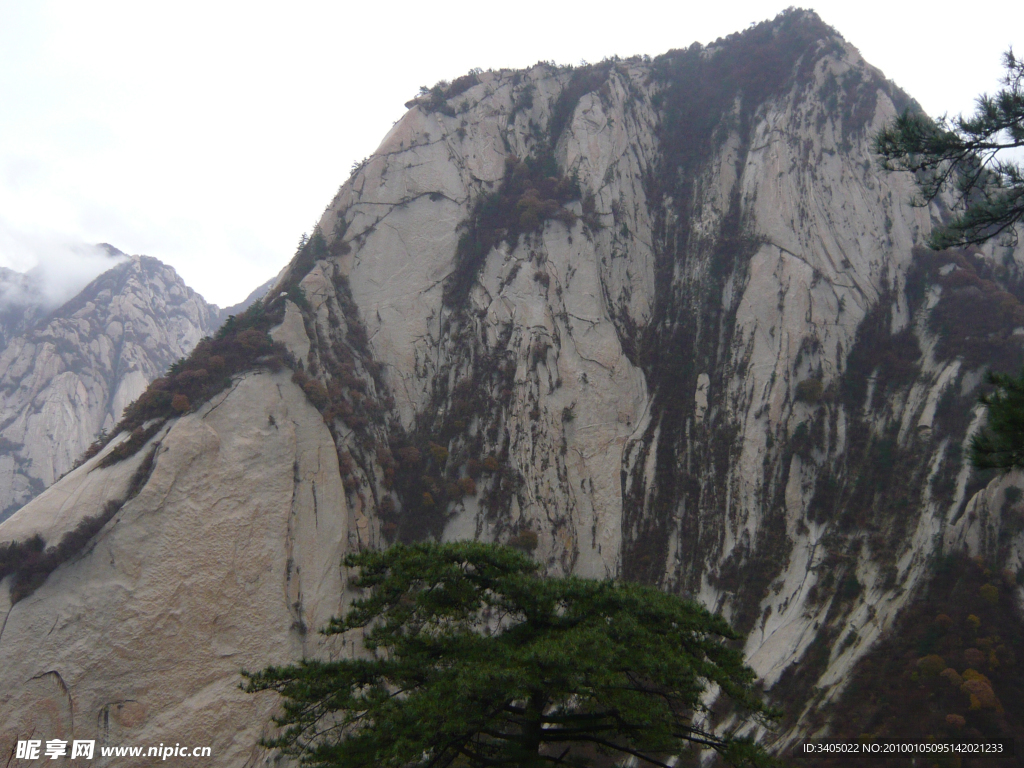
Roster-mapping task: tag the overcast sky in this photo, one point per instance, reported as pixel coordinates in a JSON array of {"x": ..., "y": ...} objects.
[{"x": 212, "y": 134}]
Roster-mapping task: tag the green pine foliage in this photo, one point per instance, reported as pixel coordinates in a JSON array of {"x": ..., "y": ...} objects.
[
  {"x": 1001, "y": 444},
  {"x": 965, "y": 155},
  {"x": 473, "y": 659}
]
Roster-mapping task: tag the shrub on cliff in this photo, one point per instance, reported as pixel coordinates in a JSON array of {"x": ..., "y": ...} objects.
[
  {"x": 809, "y": 390},
  {"x": 241, "y": 344},
  {"x": 532, "y": 192},
  {"x": 931, "y": 665},
  {"x": 30, "y": 562}
]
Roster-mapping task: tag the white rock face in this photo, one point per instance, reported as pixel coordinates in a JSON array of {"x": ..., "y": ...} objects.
[
  {"x": 64, "y": 382},
  {"x": 720, "y": 374},
  {"x": 226, "y": 560}
]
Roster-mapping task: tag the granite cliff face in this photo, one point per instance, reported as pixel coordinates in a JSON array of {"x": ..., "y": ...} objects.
[
  {"x": 651, "y": 319},
  {"x": 68, "y": 378}
]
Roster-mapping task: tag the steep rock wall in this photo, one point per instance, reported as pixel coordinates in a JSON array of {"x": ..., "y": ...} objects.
[{"x": 716, "y": 378}]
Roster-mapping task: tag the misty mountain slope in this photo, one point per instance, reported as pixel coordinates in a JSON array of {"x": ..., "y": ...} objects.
[
  {"x": 20, "y": 304},
  {"x": 661, "y": 320},
  {"x": 27, "y": 298},
  {"x": 65, "y": 381}
]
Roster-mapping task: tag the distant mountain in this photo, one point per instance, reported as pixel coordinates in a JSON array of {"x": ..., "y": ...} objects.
[
  {"x": 26, "y": 298},
  {"x": 20, "y": 303},
  {"x": 248, "y": 301},
  {"x": 67, "y": 373},
  {"x": 68, "y": 378}
]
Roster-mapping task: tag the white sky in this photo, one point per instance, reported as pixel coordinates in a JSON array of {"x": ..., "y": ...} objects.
[{"x": 212, "y": 134}]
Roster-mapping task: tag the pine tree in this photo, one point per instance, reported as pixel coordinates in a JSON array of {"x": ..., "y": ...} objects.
[
  {"x": 1001, "y": 444},
  {"x": 473, "y": 659},
  {"x": 966, "y": 155}
]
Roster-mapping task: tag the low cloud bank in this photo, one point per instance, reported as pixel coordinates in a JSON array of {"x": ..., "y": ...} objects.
[{"x": 39, "y": 273}]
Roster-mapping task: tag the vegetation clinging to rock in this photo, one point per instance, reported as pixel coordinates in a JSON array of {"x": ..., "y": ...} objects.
[
  {"x": 31, "y": 562},
  {"x": 949, "y": 668},
  {"x": 240, "y": 344},
  {"x": 532, "y": 192}
]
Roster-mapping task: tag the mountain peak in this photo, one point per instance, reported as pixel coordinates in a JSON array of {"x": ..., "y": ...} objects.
[{"x": 71, "y": 375}]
